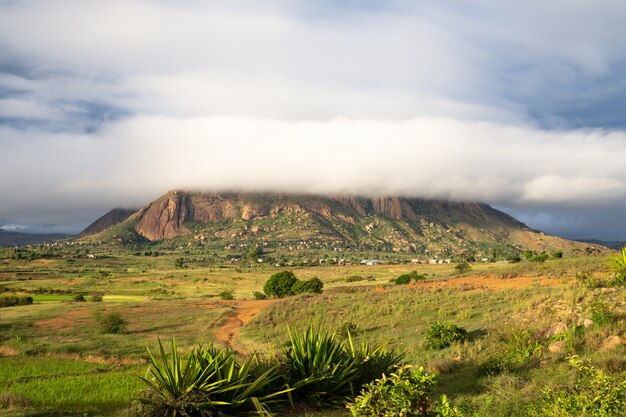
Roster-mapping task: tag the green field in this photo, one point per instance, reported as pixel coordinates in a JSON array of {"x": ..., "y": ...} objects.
[{"x": 55, "y": 360}]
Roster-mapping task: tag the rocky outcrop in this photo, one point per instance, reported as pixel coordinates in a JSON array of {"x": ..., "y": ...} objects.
[{"x": 113, "y": 217}]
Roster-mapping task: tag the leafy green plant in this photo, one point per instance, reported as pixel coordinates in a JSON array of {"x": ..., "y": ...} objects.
[
  {"x": 15, "y": 300},
  {"x": 520, "y": 350},
  {"x": 404, "y": 393},
  {"x": 280, "y": 284},
  {"x": 618, "y": 264},
  {"x": 593, "y": 395},
  {"x": 313, "y": 285},
  {"x": 462, "y": 267},
  {"x": 440, "y": 335},
  {"x": 227, "y": 295},
  {"x": 600, "y": 313},
  {"x": 259, "y": 295},
  {"x": 110, "y": 323}
]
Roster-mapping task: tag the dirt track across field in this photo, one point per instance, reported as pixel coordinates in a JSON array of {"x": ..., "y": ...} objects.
[{"x": 231, "y": 323}]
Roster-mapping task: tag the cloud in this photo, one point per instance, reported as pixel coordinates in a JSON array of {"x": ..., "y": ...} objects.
[{"x": 113, "y": 103}]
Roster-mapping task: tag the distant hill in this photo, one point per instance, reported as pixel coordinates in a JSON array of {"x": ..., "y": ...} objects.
[
  {"x": 294, "y": 222},
  {"x": 612, "y": 245},
  {"x": 9, "y": 238},
  {"x": 113, "y": 217}
]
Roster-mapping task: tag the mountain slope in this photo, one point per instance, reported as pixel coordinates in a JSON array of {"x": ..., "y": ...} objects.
[
  {"x": 113, "y": 217},
  {"x": 9, "y": 238},
  {"x": 424, "y": 227}
]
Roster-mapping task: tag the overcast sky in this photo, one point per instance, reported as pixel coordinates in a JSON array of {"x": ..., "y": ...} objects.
[{"x": 112, "y": 103}]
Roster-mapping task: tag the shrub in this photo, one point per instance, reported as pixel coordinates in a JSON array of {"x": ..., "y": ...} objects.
[
  {"x": 209, "y": 382},
  {"x": 557, "y": 254},
  {"x": 259, "y": 295},
  {"x": 600, "y": 313},
  {"x": 348, "y": 328},
  {"x": 96, "y": 297},
  {"x": 403, "y": 279},
  {"x": 354, "y": 278},
  {"x": 179, "y": 263},
  {"x": 405, "y": 393},
  {"x": 227, "y": 295},
  {"x": 440, "y": 335},
  {"x": 79, "y": 297},
  {"x": 594, "y": 395},
  {"x": 520, "y": 351},
  {"x": 279, "y": 285},
  {"x": 589, "y": 281},
  {"x": 111, "y": 323},
  {"x": 313, "y": 285},
  {"x": 462, "y": 267},
  {"x": 15, "y": 300}
]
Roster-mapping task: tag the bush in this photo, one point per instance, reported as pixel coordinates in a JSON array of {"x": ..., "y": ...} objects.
[
  {"x": 407, "y": 278},
  {"x": 15, "y": 300},
  {"x": 354, "y": 278},
  {"x": 279, "y": 285},
  {"x": 594, "y": 395},
  {"x": 97, "y": 297},
  {"x": 179, "y": 263},
  {"x": 111, "y": 323},
  {"x": 313, "y": 285},
  {"x": 440, "y": 335},
  {"x": 462, "y": 267},
  {"x": 600, "y": 313},
  {"x": 227, "y": 295},
  {"x": 259, "y": 295},
  {"x": 520, "y": 351},
  {"x": 348, "y": 328},
  {"x": 79, "y": 298},
  {"x": 405, "y": 393}
]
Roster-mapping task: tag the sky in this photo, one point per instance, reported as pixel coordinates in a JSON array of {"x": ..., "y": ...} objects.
[{"x": 521, "y": 105}]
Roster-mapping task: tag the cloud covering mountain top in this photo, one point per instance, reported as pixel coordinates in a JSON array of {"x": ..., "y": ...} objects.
[{"x": 113, "y": 103}]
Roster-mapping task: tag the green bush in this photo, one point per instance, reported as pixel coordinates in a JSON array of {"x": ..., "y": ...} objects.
[
  {"x": 111, "y": 323},
  {"x": 259, "y": 295},
  {"x": 593, "y": 395},
  {"x": 407, "y": 278},
  {"x": 227, "y": 295},
  {"x": 354, "y": 278},
  {"x": 600, "y": 313},
  {"x": 520, "y": 350},
  {"x": 279, "y": 285},
  {"x": 79, "y": 297},
  {"x": 313, "y": 285},
  {"x": 404, "y": 393},
  {"x": 348, "y": 328},
  {"x": 462, "y": 267},
  {"x": 15, "y": 300},
  {"x": 96, "y": 297},
  {"x": 440, "y": 336}
]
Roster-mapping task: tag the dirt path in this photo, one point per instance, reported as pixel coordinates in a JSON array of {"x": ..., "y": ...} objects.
[{"x": 231, "y": 323}]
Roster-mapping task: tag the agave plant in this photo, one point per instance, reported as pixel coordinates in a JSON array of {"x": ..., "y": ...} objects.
[
  {"x": 209, "y": 382},
  {"x": 618, "y": 264},
  {"x": 320, "y": 368}
]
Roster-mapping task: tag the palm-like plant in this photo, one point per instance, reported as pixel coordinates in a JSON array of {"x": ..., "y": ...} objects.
[
  {"x": 209, "y": 382},
  {"x": 618, "y": 264}
]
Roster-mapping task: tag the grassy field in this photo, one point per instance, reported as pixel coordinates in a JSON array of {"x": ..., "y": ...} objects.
[{"x": 55, "y": 360}]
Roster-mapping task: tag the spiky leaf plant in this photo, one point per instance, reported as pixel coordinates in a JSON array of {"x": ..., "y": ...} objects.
[{"x": 209, "y": 382}]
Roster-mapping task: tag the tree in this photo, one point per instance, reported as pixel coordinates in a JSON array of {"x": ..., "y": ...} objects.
[
  {"x": 253, "y": 253},
  {"x": 280, "y": 284},
  {"x": 463, "y": 267},
  {"x": 313, "y": 285}
]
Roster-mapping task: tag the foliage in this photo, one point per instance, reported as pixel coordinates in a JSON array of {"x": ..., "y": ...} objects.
[
  {"x": 80, "y": 297},
  {"x": 594, "y": 395},
  {"x": 533, "y": 256},
  {"x": 313, "y": 285},
  {"x": 179, "y": 263},
  {"x": 404, "y": 393},
  {"x": 96, "y": 297},
  {"x": 520, "y": 351},
  {"x": 253, "y": 253},
  {"x": 110, "y": 323},
  {"x": 440, "y": 335},
  {"x": 407, "y": 278},
  {"x": 618, "y": 264},
  {"x": 354, "y": 278},
  {"x": 259, "y": 295},
  {"x": 227, "y": 295},
  {"x": 588, "y": 280},
  {"x": 320, "y": 368},
  {"x": 600, "y": 313},
  {"x": 279, "y": 285},
  {"x": 348, "y": 328},
  {"x": 209, "y": 382},
  {"x": 463, "y": 267},
  {"x": 15, "y": 300},
  {"x": 557, "y": 254}
]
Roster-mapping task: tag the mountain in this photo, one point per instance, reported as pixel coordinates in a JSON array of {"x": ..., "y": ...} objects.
[
  {"x": 113, "y": 217},
  {"x": 9, "y": 238},
  {"x": 294, "y": 222}
]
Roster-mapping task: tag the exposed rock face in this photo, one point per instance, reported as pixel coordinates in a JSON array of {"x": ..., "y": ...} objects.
[
  {"x": 113, "y": 217},
  {"x": 385, "y": 223},
  {"x": 165, "y": 217}
]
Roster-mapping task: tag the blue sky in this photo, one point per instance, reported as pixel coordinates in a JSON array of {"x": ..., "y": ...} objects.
[{"x": 106, "y": 104}]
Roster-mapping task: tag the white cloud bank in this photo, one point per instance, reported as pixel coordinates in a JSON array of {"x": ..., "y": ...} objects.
[{"x": 112, "y": 103}]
